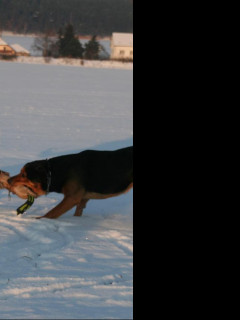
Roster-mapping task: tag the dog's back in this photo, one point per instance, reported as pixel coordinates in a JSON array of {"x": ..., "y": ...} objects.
[
  {"x": 108, "y": 171},
  {"x": 103, "y": 172}
]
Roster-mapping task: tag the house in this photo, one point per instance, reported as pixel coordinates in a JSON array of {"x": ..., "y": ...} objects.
[
  {"x": 19, "y": 50},
  {"x": 122, "y": 46},
  {"x": 12, "y": 50},
  {"x": 5, "y": 49}
]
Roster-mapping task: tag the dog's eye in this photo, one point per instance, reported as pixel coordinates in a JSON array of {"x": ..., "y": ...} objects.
[{"x": 23, "y": 175}]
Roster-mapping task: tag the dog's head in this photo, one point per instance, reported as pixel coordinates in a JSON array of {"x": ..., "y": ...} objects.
[{"x": 34, "y": 177}]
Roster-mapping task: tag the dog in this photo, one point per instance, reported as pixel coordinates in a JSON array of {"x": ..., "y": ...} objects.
[{"x": 90, "y": 174}]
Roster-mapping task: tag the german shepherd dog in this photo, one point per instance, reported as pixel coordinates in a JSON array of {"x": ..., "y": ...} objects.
[{"x": 80, "y": 177}]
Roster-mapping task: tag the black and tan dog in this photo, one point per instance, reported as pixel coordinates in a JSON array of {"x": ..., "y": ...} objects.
[{"x": 87, "y": 175}]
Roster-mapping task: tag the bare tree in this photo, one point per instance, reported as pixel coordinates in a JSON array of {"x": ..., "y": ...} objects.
[{"x": 47, "y": 45}]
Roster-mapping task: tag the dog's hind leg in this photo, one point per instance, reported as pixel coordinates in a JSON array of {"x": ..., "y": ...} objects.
[{"x": 80, "y": 207}]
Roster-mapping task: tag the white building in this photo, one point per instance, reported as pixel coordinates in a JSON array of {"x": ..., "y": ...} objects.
[{"x": 122, "y": 46}]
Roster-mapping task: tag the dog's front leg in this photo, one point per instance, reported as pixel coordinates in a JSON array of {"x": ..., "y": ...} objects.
[
  {"x": 80, "y": 207},
  {"x": 67, "y": 204}
]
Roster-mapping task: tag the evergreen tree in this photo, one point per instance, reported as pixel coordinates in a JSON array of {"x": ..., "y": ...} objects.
[
  {"x": 92, "y": 49},
  {"x": 69, "y": 45}
]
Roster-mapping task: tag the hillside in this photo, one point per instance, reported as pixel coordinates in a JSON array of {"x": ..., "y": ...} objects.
[{"x": 89, "y": 17}]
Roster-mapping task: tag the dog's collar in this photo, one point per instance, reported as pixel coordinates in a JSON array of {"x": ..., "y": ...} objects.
[{"x": 49, "y": 176}]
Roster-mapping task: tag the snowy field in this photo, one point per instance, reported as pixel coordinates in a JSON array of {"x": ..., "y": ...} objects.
[
  {"x": 108, "y": 64},
  {"x": 70, "y": 268}
]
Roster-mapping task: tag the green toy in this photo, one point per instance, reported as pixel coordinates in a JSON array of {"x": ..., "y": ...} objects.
[{"x": 26, "y": 205}]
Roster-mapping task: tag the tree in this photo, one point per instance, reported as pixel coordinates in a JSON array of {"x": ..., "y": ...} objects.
[
  {"x": 69, "y": 45},
  {"x": 46, "y": 44},
  {"x": 92, "y": 49},
  {"x": 88, "y": 17}
]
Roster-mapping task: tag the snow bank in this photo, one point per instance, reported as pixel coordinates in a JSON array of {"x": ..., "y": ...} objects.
[{"x": 76, "y": 62}]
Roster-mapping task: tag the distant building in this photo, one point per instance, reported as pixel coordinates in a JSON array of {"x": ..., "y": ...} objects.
[
  {"x": 12, "y": 50},
  {"x": 5, "y": 49},
  {"x": 122, "y": 46},
  {"x": 20, "y": 51}
]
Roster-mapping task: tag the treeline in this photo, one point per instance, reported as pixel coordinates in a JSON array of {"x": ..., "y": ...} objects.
[
  {"x": 88, "y": 17},
  {"x": 68, "y": 45}
]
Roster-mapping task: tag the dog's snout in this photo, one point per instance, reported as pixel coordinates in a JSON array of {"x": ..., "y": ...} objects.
[{"x": 10, "y": 181}]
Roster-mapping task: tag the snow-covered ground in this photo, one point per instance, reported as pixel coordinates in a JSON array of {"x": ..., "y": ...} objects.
[
  {"x": 108, "y": 64},
  {"x": 74, "y": 268}
]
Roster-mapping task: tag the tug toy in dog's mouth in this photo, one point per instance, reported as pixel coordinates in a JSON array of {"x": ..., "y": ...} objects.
[
  {"x": 26, "y": 205},
  {"x": 20, "y": 191}
]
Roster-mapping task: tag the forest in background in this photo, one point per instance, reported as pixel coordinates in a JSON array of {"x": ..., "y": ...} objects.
[{"x": 89, "y": 17}]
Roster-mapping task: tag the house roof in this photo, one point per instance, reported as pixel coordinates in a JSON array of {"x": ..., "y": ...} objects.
[
  {"x": 2, "y": 43},
  {"x": 19, "y": 48},
  {"x": 122, "y": 39}
]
